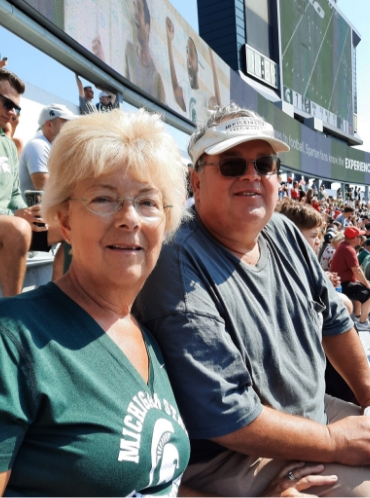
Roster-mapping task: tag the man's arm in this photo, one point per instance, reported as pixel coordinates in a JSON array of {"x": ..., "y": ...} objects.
[
  {"x": 4, "y": 478},
  {"x": 39, "y": 180},
  {"x": 360, "y": 276},
  {"x": 80, "y": 87},
  {"x": 275, "y": 434},
  {"x": 177, "y": 89}
]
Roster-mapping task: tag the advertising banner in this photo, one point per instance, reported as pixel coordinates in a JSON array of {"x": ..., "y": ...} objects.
[
  {"x": 312, "y": 153},
  {"x": 150, "y": 44}
]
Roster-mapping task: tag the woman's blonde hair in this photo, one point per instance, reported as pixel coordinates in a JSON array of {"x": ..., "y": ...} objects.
[{"x": 101, "y": 143}]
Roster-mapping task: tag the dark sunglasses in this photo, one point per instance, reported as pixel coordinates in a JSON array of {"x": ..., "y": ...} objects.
[
  {"x": 237, "y": 166},
  {"x": 9, "y": 105}
]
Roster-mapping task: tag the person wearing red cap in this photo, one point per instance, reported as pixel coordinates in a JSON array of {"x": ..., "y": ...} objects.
[{"x": 354, "y": 283}]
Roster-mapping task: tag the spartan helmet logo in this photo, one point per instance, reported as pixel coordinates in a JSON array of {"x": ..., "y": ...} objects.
[
  {"x": 165, "y": 456},
  {"x": 51, "y": 113}
]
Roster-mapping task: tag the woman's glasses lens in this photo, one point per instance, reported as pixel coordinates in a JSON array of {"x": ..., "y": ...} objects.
[{"x": 265, "y": 165}]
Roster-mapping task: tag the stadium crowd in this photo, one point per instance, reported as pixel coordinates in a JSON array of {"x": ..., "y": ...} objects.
[{"x": 211, "y": 323}]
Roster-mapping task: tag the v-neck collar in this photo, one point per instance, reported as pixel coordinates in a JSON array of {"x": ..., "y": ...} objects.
[{"x": 94, "y": 329}]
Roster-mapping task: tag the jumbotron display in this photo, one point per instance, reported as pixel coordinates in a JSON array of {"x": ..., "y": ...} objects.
[{"x": 317, "y": 61}]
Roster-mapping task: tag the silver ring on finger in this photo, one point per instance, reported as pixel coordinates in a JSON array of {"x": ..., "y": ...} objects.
[{"x": 290, "y": 476}]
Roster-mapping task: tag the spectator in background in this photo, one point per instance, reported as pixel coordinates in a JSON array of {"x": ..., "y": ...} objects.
[
  {"x": 310, "y": 223},
  {"x": 33, "y": 163},
  {"x": 15, "y": 232},
  {"x": 289, "y": 186},
  {"x": 314, "y": 186},
  {"x": 107, "y": 102},
  {"x": 308, "y": 220},
  {"x": 322, "y": 193},
  {"x": 354, "y": 283},
  {"x": 365, "y": 252},
  {"x": 34, "y": 173},
  {"x": 329, "y": 251},
  {"x": 327, "y": 239},
  {"x": 9, "y": 131},
  {"x": 294, "y": 193},
  {"x": 283, "y": 190},
  {"x": 86, "y": 95},
  {"x": 309, "y": 196},
  {"x": 346, "y": 217}
]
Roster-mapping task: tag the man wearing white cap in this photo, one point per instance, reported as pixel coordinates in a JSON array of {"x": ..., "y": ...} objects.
[
  {"x": 33, "y": 163},
  {"x": 33, "y": 167},
  {"x": 244, "y": 316},
  {"x": 107, "y": 102}
]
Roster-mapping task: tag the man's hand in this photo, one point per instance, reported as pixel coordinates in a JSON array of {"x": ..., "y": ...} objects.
[
  {"x": 303, "y": 479},
  {"x": 80, "y": 86},
  {"x": 97, "y": 48},
  {"x": 334, "y": 279},
  {"x": 32, "y": 214},
  {"x": 351, "y": 436}
]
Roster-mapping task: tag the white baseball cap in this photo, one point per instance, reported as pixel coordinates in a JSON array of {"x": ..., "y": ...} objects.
[
  {"x": 53, "y": 111},
  {"x": 104, "y": 94},
  {"x": 232, "y": 132}
]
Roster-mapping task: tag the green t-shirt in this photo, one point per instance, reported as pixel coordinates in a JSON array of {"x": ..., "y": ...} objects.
[
  {"x": 76, "y": 418},
  {"x": 10, "y": 193},
  {"x": 362, "y": 255}
]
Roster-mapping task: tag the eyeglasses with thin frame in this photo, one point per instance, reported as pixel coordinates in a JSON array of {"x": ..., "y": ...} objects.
[
  {"x": 9, "y": 105},
  {"x": 149, "y": 207},
  {"x": 237, "y": 166}
]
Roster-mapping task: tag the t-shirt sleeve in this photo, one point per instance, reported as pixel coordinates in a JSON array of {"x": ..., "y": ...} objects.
[
  {"x": 37, "y": 157},
  {"x": 16, "y": 201},
  {"x": 17, "y": 400},
  {"x": 215, "y": 397}
]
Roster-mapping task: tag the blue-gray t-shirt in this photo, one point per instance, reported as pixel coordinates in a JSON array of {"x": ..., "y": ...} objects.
[{"x": 236, "y": 337}]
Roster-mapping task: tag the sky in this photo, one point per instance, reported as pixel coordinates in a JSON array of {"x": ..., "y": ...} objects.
[{"x": 24, "y": 60}]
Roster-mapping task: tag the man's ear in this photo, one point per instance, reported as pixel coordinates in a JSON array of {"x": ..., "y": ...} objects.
[{"x": 195, "y": 181}]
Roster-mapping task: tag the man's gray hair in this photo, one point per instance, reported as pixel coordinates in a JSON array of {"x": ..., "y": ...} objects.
[{"x": 216, "y": 116}]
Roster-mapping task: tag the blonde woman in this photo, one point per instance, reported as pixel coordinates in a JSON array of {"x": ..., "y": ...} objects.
[{"x": 86, "y": 408}]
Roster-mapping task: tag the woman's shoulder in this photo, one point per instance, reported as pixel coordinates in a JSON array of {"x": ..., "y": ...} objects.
[
  {"x": 27, "y": 298},
  {"x": 32, "y": 306}
]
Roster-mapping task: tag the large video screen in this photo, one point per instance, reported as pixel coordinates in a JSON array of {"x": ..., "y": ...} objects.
[{"x": 317, "y": 61}]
